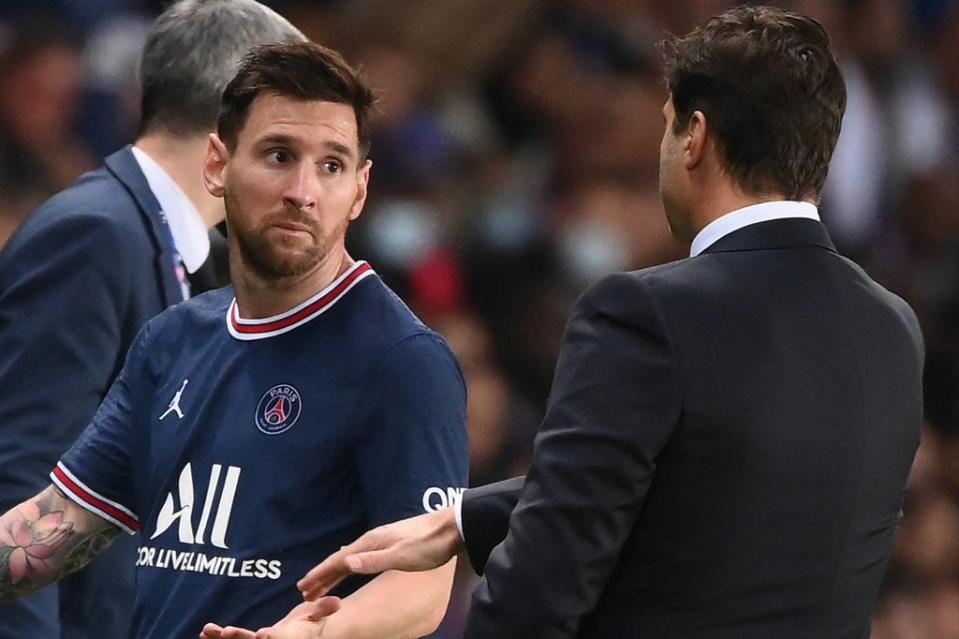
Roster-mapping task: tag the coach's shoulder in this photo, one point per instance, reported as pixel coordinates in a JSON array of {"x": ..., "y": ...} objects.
[
  {"x": 627, "y": 293},
  {"x": 70, "y": 247},
  {"x": 894, "y": 304},
  {"x": 906, "y": 315}
]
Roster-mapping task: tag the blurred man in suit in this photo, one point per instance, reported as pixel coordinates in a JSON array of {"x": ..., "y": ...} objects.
[
  {"x": 90, "y": 266},
  {"x": 728, "y": 436}
]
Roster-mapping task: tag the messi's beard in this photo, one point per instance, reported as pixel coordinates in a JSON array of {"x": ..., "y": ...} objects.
[{"x": 267, "y": 258}]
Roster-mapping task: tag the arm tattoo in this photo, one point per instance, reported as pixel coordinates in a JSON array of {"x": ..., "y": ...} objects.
[{"x": 46, "y": 538}]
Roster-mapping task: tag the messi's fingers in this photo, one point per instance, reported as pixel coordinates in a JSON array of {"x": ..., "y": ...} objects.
[
  {"x": 211, "y": 631},
  {"x": 322, "y": 607}
]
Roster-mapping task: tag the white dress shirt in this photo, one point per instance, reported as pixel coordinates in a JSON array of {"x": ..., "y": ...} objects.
[
  {"x": 719, "y": 228},
  {"x": 186, "y": 226},
  {"x": 735, "y": 220}
]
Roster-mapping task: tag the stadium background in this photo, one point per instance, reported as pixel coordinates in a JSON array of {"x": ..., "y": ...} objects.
[{"x": 516, "y": 161}]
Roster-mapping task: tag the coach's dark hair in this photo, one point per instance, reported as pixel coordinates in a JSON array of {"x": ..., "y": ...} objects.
[
  {"x": 307, "y": 71},
  {"x": 772, "y": 92},
  {"x": 192, "y": 50}
]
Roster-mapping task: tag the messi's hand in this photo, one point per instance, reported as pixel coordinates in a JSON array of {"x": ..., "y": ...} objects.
[{"x": 306, "y": 621}]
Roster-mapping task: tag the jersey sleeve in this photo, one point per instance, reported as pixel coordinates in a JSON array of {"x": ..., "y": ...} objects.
[
  {"x": 97, "y": 471},
  {"x": 414, "y": 456}
]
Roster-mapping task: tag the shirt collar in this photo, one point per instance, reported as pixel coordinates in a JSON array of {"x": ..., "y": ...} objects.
[
  {"x": 186, "y": 226},
  {"x": 250, "y": 329},
  {"x": 735, "y": 220}
]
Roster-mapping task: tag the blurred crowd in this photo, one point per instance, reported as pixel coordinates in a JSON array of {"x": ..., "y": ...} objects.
[{"x": 516, "y": 161}]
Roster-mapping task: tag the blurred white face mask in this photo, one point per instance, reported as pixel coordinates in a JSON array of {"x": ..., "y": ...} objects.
[
  {"x": 591, "y": 249},
  {"x": 403, "y": 231}
]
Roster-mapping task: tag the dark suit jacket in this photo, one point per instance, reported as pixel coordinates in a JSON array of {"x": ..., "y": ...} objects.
[
  {"x": 77, "y": 281},
  {"x": 724, "y": 454}
]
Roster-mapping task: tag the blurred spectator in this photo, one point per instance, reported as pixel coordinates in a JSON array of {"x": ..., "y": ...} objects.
[
  {"x": 111, "y": 109},
  {"x": 40, "y": 88},
  {"x": 922, "y": 595},
  {"x": 897, "y": 110}
]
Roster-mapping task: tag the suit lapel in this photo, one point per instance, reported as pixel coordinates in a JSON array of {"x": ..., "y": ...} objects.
[
  {"x": 125, "y": 169},
  {"x": 774, "y": 234}
]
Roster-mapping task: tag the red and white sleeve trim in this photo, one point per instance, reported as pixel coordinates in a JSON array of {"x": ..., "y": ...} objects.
[{"x": 93, "y": 501}]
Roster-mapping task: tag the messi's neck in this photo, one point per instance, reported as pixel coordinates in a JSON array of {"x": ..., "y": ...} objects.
[{"x": 258, "y": 297}]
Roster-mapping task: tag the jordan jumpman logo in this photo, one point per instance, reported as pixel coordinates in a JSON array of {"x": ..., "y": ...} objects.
[{"x": 175, "y": 403}]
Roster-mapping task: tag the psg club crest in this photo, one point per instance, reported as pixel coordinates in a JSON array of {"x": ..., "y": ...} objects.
[{"x": 278, "y": 409}]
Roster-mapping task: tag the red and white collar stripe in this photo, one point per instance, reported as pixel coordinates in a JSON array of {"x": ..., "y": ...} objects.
[
  {"x": 249, "y": 329},
  {"x": 94, "y": 501}
]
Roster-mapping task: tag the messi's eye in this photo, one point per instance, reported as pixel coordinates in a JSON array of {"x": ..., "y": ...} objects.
[
  {"x": 332, "y": 166},
  {"x": 277, "y": 156}
]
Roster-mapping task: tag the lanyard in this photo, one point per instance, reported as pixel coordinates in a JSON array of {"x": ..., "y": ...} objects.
[{"x": 179, "y": 268}]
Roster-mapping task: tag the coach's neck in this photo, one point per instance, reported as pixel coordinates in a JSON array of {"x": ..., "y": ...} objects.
[{"x": 713, "y": 192}]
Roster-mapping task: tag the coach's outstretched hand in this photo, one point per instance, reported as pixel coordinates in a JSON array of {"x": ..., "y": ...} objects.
[
  {"x": 418, "y": 543},
  {"x": 306, "y": 621}
]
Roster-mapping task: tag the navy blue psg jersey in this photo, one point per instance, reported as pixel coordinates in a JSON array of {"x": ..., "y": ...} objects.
[{"x": 246, "y": 451}]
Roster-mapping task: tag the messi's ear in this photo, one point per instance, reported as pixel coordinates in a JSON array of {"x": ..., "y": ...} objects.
[
  {"x": 362, "y": 182},
  {"x": 214, "y": 166}
]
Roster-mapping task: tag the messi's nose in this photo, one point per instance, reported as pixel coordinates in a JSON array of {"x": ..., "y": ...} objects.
[{"x": 302, "y": 188}]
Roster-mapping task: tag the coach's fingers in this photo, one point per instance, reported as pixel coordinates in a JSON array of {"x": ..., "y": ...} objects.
[
  {"x": 419, "y": 543},
  {"x": 322, "y": 577},
  {"x": 377, "y": 561},
  {"x": 331, "y": 571}
]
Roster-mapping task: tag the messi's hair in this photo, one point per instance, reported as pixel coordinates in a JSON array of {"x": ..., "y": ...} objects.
[
  {"x": 192, "y": 50},
  {"x": 771, "y": 89},
  {"x": 306, "y": 71}
]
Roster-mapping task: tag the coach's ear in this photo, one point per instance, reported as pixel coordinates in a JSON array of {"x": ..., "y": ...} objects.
[
  {"x": 214, "y": 166},
  {"x": 694, "y": 143}
]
